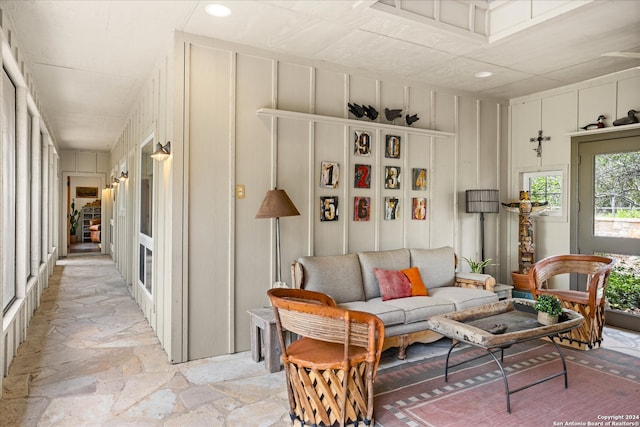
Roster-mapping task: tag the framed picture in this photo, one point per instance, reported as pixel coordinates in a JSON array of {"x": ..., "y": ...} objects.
[
  {"x": 419, "y": 182},
  {"x": 419, "y": 208},
  {"x": 392, "y": 147},
  {"x": 329, "y": 174},
  {"x": 362, "y": 176},
  {"x": 392, "y": 177},
  {"x": 362, "y": 143},
  {"x": 361, "y": 208},
  {"x": 86, "y": 192},
  {"x": 329, "y": 208},
  {"x": 391, "y": 208}
]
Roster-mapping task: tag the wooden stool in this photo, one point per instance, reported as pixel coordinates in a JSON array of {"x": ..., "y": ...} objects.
[{"x": 264, "y": 338}]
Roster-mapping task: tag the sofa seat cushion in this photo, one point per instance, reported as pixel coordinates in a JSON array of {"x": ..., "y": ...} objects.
[
  {"x": 338, "y": 276},
  {"x": 417, "y": 309},
  {"x": 398, "y": 259},
  {"x": 389, "y": 314},
  {"x": 464, "y": 297}
]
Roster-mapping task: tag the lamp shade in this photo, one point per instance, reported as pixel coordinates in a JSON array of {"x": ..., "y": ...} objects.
[
  {"x": 276, "y": 204},
  {"x": 483, "y": 201}
]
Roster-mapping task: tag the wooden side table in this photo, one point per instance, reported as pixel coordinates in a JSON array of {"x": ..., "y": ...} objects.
[
  {"x": 503, "y": 291},
  {"x": 264, "y": 338}
]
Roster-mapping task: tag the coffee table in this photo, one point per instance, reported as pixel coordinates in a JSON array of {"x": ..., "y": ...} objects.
[{"x": 497, "y": 326}]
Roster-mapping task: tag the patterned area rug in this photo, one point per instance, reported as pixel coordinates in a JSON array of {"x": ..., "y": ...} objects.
[{"x": 604, "y": 390}]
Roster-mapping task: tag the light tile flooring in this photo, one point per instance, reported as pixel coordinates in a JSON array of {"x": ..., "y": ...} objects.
[{"x": 91, "y": 359}]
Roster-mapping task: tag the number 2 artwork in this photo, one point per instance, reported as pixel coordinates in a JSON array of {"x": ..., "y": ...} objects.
[{"x": 362, "y": 176}]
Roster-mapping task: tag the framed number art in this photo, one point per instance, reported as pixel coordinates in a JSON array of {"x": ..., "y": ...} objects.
[
  {"x": 329, "y": 174},
  {"x": 361, "y": 208},
  {"x": 329, "y": 208},
  {"x": 362, "y": 176},
  {"x": 392, "y": 177}
]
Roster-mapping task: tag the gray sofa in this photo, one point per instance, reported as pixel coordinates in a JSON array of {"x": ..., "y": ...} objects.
[{"x": 350, "y": 280}]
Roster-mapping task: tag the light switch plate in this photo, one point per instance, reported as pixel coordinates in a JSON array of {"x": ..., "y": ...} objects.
[{"x": 240, "y": 191}]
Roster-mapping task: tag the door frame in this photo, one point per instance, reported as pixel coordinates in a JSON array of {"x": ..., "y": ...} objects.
[{"x": 612, "y": 318}]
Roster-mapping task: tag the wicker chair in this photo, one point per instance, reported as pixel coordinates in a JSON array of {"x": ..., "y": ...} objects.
[
  {"x": 589, "y": 303},
  {"x": 330, "y": 369}
]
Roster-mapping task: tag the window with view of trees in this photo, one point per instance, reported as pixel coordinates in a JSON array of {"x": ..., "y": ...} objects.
[
  {"x": 545, "y": 186},
  {"x": 617, "y": 185}
]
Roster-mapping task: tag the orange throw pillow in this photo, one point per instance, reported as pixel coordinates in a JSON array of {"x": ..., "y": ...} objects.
[{"x": 417, "y": 285}]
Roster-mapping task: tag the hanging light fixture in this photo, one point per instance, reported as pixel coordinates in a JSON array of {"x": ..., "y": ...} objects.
[{"x": 162, "y": 152}]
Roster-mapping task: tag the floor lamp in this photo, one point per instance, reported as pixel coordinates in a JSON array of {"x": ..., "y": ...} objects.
[
  {"x": 275, "y": 205},
  {"x": 482, "y": 201}
]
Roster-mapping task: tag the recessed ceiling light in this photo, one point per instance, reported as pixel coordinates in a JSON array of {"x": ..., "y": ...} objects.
[
  {"x": 483, "y": 74},
  {"x": 218, "y": 10}
]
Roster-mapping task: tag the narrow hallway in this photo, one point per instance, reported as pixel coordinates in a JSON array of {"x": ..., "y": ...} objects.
[{"x": 91, "y": 359}]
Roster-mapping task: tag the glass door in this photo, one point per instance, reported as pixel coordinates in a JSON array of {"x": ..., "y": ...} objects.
[{"x": 608, "y": 217}]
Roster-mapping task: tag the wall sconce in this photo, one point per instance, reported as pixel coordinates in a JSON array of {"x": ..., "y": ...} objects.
[
  {"x": 116, "y": 181},
  {"x": 124, "y": 175},
  {"x": 162, "y": 152}
]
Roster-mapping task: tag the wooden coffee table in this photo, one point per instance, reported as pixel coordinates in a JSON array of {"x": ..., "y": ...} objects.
[{"x": 498, "y": 326}]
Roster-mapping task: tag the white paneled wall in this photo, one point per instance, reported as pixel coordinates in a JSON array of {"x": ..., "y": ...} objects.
[
  {"x": 229, "y": 254},
  {"x": 558, "y": 113}
]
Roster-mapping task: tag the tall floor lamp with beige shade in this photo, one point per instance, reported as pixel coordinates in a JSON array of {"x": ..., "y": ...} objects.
[{"x": 277, "y": 204}]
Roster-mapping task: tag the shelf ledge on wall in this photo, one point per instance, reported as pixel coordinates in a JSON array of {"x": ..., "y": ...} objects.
[
  {"x": 606, "y": 130},
  {"x": 270, "y": 112}
]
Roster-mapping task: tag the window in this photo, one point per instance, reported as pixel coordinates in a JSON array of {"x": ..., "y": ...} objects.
[
  {"x": 547, "y": 186},
  {"x": 145, "y": 260},
  {"x": 8, "y": 191}
]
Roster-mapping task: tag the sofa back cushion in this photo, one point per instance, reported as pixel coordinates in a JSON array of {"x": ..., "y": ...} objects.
[
  {"x": 337, "y": 276},
  {"x": 398, "y": 259},
  {"x": 437, "y": 266}
]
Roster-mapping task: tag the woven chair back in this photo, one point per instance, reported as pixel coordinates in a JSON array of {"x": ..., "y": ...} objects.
[
  {"x": 596, "y": 268},
  {"x": 314, "y": 315}
]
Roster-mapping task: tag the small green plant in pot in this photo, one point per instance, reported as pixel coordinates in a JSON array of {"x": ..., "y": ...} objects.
[
  {"x": 477, "y": 266},
  {"x": 549, "y": 309}
]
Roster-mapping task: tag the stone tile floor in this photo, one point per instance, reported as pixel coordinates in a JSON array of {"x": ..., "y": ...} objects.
[{"x": 91, "y": 359}]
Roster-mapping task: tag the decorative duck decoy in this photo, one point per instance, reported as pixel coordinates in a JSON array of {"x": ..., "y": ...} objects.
[
  {"x": 599, "y": 124},
  {"x": 370, "y": 112},
  {"x": 356, "y": 110},
  {"x": 630, "y": 119},
  {"x": 411, "y": 119},
  {"x": 391, "y": 115}
]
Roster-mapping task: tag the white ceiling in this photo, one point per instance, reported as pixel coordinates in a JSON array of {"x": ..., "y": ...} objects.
[{"x": 89, "y": 59}]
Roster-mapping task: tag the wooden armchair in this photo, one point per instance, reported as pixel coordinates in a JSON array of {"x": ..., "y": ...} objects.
[
  {"x": 589, "y": 303},
  {"x": 330, "y": 369}
]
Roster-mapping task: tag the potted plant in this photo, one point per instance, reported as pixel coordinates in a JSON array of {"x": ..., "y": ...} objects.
[
  {"x": 549, "y": 309},
  {"x": 74, "y": 217},
  {"x": 477, "y": 266}
]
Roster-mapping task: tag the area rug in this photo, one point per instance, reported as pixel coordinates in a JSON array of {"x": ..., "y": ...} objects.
[{"x": 604, "y": 389}]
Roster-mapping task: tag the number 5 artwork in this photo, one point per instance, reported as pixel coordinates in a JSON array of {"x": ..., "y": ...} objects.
[{"x": 329, "y": 208}]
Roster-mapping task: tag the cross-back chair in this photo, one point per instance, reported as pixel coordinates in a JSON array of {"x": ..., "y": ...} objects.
[
  {"x": 589, "y": 303},
  {"x": 331, "y": 367}
]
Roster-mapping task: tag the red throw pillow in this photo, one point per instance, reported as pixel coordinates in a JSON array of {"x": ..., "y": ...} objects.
[
  {"x": 393, "y": 284},
  {"x": 418, "y": 289}
]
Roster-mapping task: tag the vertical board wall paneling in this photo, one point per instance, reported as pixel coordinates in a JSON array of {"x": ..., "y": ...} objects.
[
  {"x": 209, "y": 178},
  {"x": 254, "y": 244}
]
